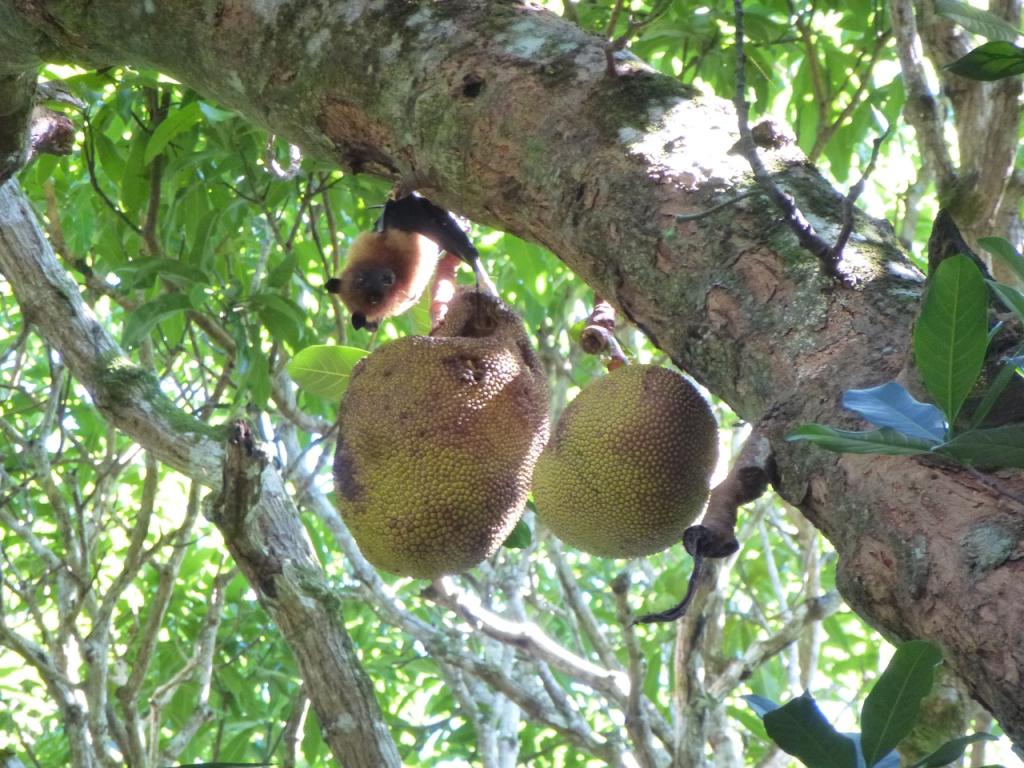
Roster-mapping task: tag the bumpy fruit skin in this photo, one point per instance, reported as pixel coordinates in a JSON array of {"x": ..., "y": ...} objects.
[
  {"x": 438, "y": 439},
  {"x": 628, "y": 465}
]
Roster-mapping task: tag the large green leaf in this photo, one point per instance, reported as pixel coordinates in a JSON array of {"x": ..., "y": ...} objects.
[
  {"x": 142, "y": 273},
  {"x": 282, "y": 316},
  {"x": 976, "y": 20},
  {"x": 891, "y": 709},
  {"x": 324, "y": 369},
  {"x": 799, "y": 728},
  {"x": 952, "y": 333},
  {"x": 993, "y": 447},
  {"x": 991, "y": 61},
  {"x": 176, "y": 122},
  {"x": 885, "y": 440},
  {"x": 141, "y": 321}
]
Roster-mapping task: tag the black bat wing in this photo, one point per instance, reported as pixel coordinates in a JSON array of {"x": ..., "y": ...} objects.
[{"x": 414, "y": 213}]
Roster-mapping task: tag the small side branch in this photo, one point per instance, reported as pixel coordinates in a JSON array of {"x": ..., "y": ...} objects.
[
  {"x": 636, "y": 720},
  {"x": 830, "y": 256},
  {"x": 529, "y": 636},
  {"x": 813, "y": 610},
  {"x": 715, "y": 536},
  {"x": 598, "y": 337},
  {"x": 853, "y": 194}
]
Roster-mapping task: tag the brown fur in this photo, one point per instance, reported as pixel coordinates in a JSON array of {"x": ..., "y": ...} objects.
[{"x": 412, "y": 258}]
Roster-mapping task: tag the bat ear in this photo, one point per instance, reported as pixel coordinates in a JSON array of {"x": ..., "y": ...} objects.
[
  {"x": 333, "y": 285},
  {"x": 359, "y": 321}
]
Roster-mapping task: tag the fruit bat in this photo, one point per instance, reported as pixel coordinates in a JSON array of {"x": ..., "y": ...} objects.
[{"x": 389, "y": 267}]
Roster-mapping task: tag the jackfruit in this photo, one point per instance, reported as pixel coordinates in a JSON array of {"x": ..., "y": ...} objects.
[
  {"x": 438, "y": 439},
  {"x": 627, "y": 468}
]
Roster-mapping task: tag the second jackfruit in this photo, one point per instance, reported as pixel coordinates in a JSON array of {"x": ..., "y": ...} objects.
[{"x": 628, "y": 465}]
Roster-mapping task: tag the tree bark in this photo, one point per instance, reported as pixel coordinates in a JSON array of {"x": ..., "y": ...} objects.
[{"x": 507, "y": 115}]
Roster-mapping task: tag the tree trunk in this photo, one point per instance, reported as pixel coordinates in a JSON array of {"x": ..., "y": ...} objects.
[{"x": 509, "y": 116}]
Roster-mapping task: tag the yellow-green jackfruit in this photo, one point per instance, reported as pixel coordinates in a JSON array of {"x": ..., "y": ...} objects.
[
  {"x": 438, "y": 439},
  {"x": 628, "y": 465}
]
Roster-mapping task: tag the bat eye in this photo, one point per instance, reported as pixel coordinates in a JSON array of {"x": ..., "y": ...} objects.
[
  {"x": 387, "y": 278},
  {"x": 360, "y": 280}
]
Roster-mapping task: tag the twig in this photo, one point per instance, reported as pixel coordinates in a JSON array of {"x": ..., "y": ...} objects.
[
  {"x": 529, "y": 636},
  {"x": 684, "y": 217},
  {"x": 291, "y": 735},
  {"x": 715, "y": 537},
  {"x": 633, "y": 27},
  {"x": 598, "y": 337},
  {"x": 853, "y": 194},
  {"x": 757, "y": 653},
  {"x": 791, "y": 214},
  {"x": 580, "y": 609},
  {"x": 636, "y": 723},
  {"x": 202, "y": 672},
  {"x": 922, "y": 110},
  {"x": 89, "y": 150}
]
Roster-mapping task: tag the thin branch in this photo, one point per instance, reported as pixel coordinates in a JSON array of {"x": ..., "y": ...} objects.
[
  {"x": 584, "y": 615},
  {"x": 636, "y": 721},
  {"x": 922, "y": 109},
  {"x": 294, "y": 726},
  {"x": 530, "y": 637},
  {"x": 791, "y": 214},
  {"x": 853, "y": 194},
  {"x": 757, "y": 653},
  {"x": 203, "y": 663}
]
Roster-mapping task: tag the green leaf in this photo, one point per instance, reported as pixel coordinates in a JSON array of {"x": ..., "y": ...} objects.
[
  {"x": 134, "y": 181},
  {"x": 799, "y": 728},
  {"x": 324, "y": 369},
  {"x": 141, "y": 321},
  {"x": 951, "y": 334},
  {"x": 520, "y": 537},
  {"x": 110, "y": 159},
  {"x": 992, "y": 447},
  {"x": 1010, "y": 296},
  {"x": 1005, "y": 253},
  {"x": 142, "y": 273},
  {"x": 176, "y": 122},
  {"x": 282, "y": 317},
  {"x": 890, "y": 405},
  {"x": 254, "y": 375},
  {"x": 951, "y": 751},
  {"x": 885, "y": 440},
  {"x": 279, "y": 276},
  {"x": 976, "y": 20},
  {"x": 991, "y": 61},
  {"x": 891, "y": 709}
]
